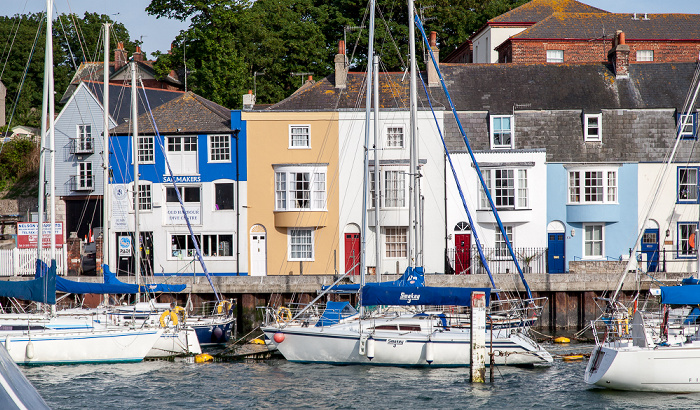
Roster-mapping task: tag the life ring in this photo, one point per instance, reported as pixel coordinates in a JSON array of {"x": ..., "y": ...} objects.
[
  {"x": 181, "y": 314},
  {"x": 284, "y": 314},
  {"x": 223, "y": 307},
  {"x": 168, "y": 314}
]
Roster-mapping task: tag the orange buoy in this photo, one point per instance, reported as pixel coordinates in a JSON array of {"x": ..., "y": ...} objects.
[{"x": 278, "y": 337}]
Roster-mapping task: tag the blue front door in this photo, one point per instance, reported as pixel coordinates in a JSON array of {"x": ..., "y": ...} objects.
[
  {"x": 555, "y": 257},
  {"x": 650, "y": 246}
]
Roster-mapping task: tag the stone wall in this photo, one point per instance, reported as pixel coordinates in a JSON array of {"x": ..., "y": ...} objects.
[{"x": 597, "y": 267}]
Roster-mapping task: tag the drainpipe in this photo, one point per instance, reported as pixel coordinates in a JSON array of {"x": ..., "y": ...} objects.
[{"x": 238, "y": 206}]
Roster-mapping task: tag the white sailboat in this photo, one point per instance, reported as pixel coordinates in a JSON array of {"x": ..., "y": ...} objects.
[
  {"x": 404, "y": 334},
  {"x": 641, "y": 350}
]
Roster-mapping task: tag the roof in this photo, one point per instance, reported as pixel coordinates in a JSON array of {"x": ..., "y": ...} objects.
[
  {"x": 497, "y": 88},
  {"x": 597, "y": 25},
  {"x": 120, "y": 98},
  {"x": 187, "y": 114},
  {"x": 537, "y": 10},
  {"x": 323, "y": 96}
]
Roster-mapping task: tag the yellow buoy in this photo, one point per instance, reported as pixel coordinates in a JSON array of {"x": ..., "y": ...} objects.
[
  {"x": 573, "y": 358},
  {"x": 257, "y": 341},
  {"x": 562, "y": 339},
  {"x": 204, "y": 357}
]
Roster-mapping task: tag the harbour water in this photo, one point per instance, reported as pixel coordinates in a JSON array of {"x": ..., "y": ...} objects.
[{"x": 279, "y": 384}]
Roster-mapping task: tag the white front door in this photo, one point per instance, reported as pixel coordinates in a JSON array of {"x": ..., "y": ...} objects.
[{"x": 258, "y": 254}]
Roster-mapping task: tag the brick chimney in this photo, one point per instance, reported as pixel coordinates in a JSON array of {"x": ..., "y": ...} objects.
[
  {"x": 433, "y": 78},
  {"x": 248, "y": 100},
  {"x": 138, "y": 54},
  {"x": 341, "y": 68},
  {"x": 619, "y": 56},
  {"x": 119, "y": 56}
]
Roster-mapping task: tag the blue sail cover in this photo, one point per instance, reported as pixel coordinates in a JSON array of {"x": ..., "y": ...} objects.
[
  {"x": 42, "y": 289},
  {"x": 680, "y": 295},
  {"x": 690, "y": 281},
  {"x": 409, "y": 296},
  {"x": 112, "y": 285},
  {"x": 334, "y": 312},
  {"x": 410, "y": 277}
]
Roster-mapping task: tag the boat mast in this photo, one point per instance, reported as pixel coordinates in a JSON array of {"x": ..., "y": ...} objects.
[
  {"x": 105, "y": 152},
  {"x": 46, "y": 118},
  {"x": 134, "y": 143},
  {"x": 52, "y": 143},
  {"x": 377, "y": 184},
  {"x": 365, "y": 179},
  {"x": 413, "y": 247}
]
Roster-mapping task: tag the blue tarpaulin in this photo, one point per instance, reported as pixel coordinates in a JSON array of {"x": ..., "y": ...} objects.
[
  {"x": 411, "y": 277},
  {"x": 41, "y": 289},
  {"x": 112, "y": 285},
  {"x": 334, "y": 312},
  {"x": 408, "y": 296},
  {"x": 680, "y": 295}
]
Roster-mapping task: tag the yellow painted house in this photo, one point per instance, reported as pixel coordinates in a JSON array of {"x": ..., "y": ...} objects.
[{"x": 292, "y": 191}]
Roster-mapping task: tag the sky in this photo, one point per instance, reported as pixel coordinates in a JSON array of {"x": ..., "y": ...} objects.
[{"x": 157, "y": 34}]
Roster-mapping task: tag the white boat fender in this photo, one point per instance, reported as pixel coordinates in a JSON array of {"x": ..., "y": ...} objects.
[
  {"x": 370, "y": 348},
  {"x": 429, "y": 351},
  {"x": 362, "y": 349},
  {"x": 7, "y": 343},
  {"x": 30, "y": 350}
]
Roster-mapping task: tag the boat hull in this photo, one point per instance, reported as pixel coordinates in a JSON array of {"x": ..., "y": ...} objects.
[
  {"x": 95, "y": 346},
  {"x": 175, "y": 342},
  {"x": 669, "y": 369},
  {"x": 212, "y": 331},
  {"x": 449, "y": 349}
]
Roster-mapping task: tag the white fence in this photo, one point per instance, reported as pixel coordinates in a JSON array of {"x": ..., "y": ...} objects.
[{"x": 22, "y": 262}]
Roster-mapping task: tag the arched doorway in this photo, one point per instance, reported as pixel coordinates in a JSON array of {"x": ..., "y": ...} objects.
[
  {"x": 556, "y": 234},
  {"x": 258, "y": 250},
  {"x": 463, "y": 238},
  {"x": 351, "y": 249}
]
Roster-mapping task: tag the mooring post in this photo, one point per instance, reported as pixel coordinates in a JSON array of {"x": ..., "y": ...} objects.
[{"x": 478, "y": 337}]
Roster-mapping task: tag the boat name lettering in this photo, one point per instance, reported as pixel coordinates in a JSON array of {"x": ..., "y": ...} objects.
[
  {"x": 394, "y": 342},
  {"x": 410, "y": 297}
]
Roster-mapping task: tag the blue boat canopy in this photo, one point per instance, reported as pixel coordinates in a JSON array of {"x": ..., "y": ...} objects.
[
  {"x": 409, "y": 296},
  {"x": 411, "y": 277},
  {"x": 680, "y": 295},
  {"x": 334, "y": 312},
  {"x": 112, "y": 285},
  {"x": 41, "y": 289}
]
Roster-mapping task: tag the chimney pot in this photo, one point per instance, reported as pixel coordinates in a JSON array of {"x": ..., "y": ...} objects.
[
  {"x": 250, "y": 92},
  {"x": 341, "y": 67},
  {"x": 341, "y": 47},
  {"x": 433, "y": 78},
  {"x": 622, "y": 37},
  {"x": 311, "y": 78},
  {"x": 433, "y": 38}
]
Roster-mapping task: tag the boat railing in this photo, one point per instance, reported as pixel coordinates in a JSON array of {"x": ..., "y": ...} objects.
[
  {"x": 290, "y": 313},
  {"x": 520, "y": 308},
  {"x": 224, "y": 307}
]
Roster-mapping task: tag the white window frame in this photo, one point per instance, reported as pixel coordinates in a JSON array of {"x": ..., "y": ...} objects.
[
  {"x": 145, "y": 196},
  {"x": 519, "y": 189},
  {"x": 291, "y": 244},
  {"x": 501, "y": 132},
  {"x": 146, "y": 149},
  {"x": 587, "y": 241},
  {"x": 294, "y": 142},
  {"x": 202, "y": 239},
  {"x": 182, "y": 189},
  {"x": 233, "y": 195},
  {"x": 500, "y": 247},
  {"x": 583, "y": 191},
  {"x": 593, "y": 127},
  {"x": 555, "y": 56},
  {"x": 645, "y": 55},
  {"x": 394, "y": 188},
  {"x": 84, "y": 141},
  {"x": 85, "y": 177},
  {"x": 394, "y": 136},
  {"x": 395, "y": 242},
  {"x": 683, "y": 132},
  {"x": 691, "y": 185},
  {"x": 684, "y": 231},
  {"x": 287, "y": 196},
  {"x": 219, "y": 148}
]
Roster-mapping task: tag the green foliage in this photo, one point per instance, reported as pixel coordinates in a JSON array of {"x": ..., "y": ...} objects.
[
  {"x": 281, "y": 37},
  {"x": 19, "y": 157}
]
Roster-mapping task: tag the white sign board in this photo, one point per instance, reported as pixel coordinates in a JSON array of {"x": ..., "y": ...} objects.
[
  {"x": 120, "y": 207},
  {"x": 176, "y": 217},
  {"x": 125, "y": 246}
]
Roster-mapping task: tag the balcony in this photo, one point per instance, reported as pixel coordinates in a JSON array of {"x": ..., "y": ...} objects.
[
  {"x": 82, "y": 145},
  {"x": 82, "y": 183}
]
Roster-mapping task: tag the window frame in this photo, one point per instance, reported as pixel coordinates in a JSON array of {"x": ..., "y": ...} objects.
[
  {"x": 173, "y": 254},
  {"x": 585, "y": 241},
  {"x": 500, "y": 247},
  {"x": 580, "y": 192},
  {"x": 215, "y": 202},
  {"x": 183, "y": 194},
  {"x": 146, "y": 149},
  {"x": 291, "y": 245},
  {"x": 684, "y": 252},
  {"x": 394, "y": 189},
  {"x": 592, "y": 137},
  {"x": 398, "y": 247},
  {"x": 287, "y": 195},
  {"x": 292, "y": 135},
  {"x": 644, "y": 58},
  {"x": 214, "y": 148},
  {"x": 145, "y": 196},
  {"x": 519, "y": 191},
  {"x": 387, "y": 139},
  {"x": 695, "y": 200},
  {"x": 84, "y": 142},
  {"x": 559, "y": 58},
  {"x": 683, "y": 134},
  {"x": 501, "y": 132},
  {"x": 85, "y": 177}
]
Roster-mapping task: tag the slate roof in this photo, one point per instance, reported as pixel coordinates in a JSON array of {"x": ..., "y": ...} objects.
[
  {"x": 537, "y": 10},
  {"x": 545, "y": 86},
  {"x": 323, "y": 96},
  {"x": 120, "y": 99},
  {"x": 596, "y": 25},
  {"x": 186, "y": 114}
]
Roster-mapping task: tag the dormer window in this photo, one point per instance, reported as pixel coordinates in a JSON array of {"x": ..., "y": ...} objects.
[
  {"x": 501, "y": 131},
  {"x": 555, "y": 56},
  {"x": 592, "y": 127},
  {"x": 687, "y": 125}
]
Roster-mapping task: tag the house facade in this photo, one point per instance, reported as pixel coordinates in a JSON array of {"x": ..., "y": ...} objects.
[{"x": 194, "y": 166}]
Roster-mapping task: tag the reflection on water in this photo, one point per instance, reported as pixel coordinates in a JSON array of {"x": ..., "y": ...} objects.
[{"x": 280, "y": 384}]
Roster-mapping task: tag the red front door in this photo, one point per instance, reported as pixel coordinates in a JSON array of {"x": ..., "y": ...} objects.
[
  {"x": 352, "y": 253},
  {"x": 462, "y": 253}
]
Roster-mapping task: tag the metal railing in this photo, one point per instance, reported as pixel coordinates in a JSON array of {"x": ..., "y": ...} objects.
[
  {"x": 463, "y": 262},
  {"x": 82, "y": 182},
  {"x": 82, "y": 146}
]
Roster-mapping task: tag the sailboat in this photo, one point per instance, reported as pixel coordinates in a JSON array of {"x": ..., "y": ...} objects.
[
  {"x": 404, "y": 333},
  {"x": 643, "y": 350}
]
